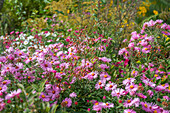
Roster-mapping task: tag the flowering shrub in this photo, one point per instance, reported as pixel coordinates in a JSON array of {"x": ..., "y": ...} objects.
[{"x": 69, "y": 70}]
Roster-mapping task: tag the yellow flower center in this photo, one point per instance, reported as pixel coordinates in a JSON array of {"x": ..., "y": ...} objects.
[
  {"x": 53, "y": 92},
  {"x": 146, "y": 48},
  {"x": 133, "y": 72},
  {"x": 145, "y": 105},
  {"x": 128, "y": 78},
  {"x": 107, "y": 104},
  {"x": 155, "y": 111},
  {"x": 66, "y": 102},
  {"x": 166, "y": 32},
  {"x": 131, "y": 87},
  {"x": 71, "y": 53},
  {"x": 4, "y": 82},
  {"x": 105, "y": 76},
  {"x": 29, "y": 77},
  {"x": 156, "y": 75},
  {"x": 92, "y": 74},
  {"x": 96, "y": 103},
  {"x": 100, "y": 83},
  {"x": 128, "y": 101},
  {"x": 43, "y": 96},
  {"x": 111, "y": 86},
  {"x": 163, "y": 84},
  {"x": 46, "y": 65}
]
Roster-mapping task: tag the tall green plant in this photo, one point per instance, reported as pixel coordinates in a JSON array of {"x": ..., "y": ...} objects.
[{"x": 14, "y": 12}]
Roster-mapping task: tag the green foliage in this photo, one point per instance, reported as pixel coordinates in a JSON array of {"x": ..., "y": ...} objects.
[{"x": 14, "y": 12}]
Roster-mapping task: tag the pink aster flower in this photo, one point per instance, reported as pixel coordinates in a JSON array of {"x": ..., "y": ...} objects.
[
  {"x": 67, "y": 101},
  {"x": 100, "y": 83},
  {"x": 92, "y": 75},
  {"x": 149, "y": 83},
  {"x": 102, "y": 48},
  {"x": 118, "y": 92},
  {"x": 3, "y": 88},
  {"x": 150, "y": 93},
  {"x": 44, "y": 97},
  {"x": 124, "y": 40},
  {"x": 110, "y": 86},
  {"x": 131, "y": 45},
  {"x": 149, "y": 107},
  {"x": 134, "y": 36},
  {"x": 136, "y": 102},
  {"x": 103, "y": 66},
  {"x": 141, "y": 95},
  {"x": 53, "y": 92},
  {"x": 159, "y": 21},
  {"x": 166, "y": 97},
  {"x": 46, "y": 66},
  {"x": 166, "y": 33},
  {"x": 151, "y": 23},
  {"x": 105, "y": 76},
  {"x": 128, "y": 103},
  {"x": 13, "y": 94},
  {"x": 2, "y": 106},
  {"x": 134, "y": 73},
  {"x": 123, "y": 50},
  {"x": 128, "y": 81},
  {"x": 86, "y": 64},
  {"x": 129, "y": 111},
  {"x": 143, "y": 43},
  {"x": 131, "y": 88},
  {"x": 159, "y": 88},
  {"x": 145, "y": 50},
  {"x": 104, "y": 59},
  {"x": 108, "y": 105},
  {"x": 98, "y": 106},
  {"x": 73, "y": 95}
]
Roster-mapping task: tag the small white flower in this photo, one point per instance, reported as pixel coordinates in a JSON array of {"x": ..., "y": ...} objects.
[
  {"x": 24, "y": 50},
  {"x": 58, "y": 39},
  {"x": 54, "y": 35},
  {"x": 65, "y": 52},
  {"x": 41, "y": 47},
  {"x": 26, "y": 42},
  {"x": 30, "y": 37},
  {"x": 35, "y": 46},
  {"x": 48, "y": 34}
]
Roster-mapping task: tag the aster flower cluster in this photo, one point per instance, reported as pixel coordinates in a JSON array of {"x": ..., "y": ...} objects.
[{"x": 75, "y": 69}]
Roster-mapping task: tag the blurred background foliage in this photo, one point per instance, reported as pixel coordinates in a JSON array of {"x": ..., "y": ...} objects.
[{"x": 108, "y": 17}]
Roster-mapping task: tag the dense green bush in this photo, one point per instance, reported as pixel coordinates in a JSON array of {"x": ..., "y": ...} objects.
[{"x": 14, "y": 12}]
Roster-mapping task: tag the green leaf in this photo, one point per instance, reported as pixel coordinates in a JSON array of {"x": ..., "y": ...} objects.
[
  {"x": 42, "y": 86},
  {"x": 59, "y": 12},
  {"x": 47, "y": 108},
  {"x": 22, "y": 87},
  {"x": 147, "y": 75},
  {"x": 54, "y": 108},
  {"x": 35, "y": 87},
  {"x": 154, "y": 79},
  {"x": 158, "y": 82}
]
